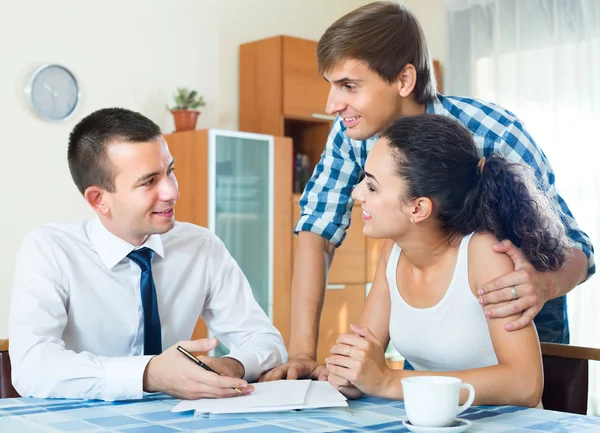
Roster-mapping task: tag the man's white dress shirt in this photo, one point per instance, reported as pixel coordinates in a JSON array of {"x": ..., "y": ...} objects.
[{"x": 76, "y": 324}]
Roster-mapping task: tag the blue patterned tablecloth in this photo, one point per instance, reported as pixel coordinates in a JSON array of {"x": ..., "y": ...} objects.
[{"x": 153, "y": 415}]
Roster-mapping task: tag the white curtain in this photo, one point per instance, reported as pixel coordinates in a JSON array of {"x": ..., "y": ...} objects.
[{"x": 540, "y": 59}]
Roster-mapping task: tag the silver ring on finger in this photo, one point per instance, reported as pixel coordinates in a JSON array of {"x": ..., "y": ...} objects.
[
  {"x": 347, "y": 351},
  {"x": 513, "y": 290}
]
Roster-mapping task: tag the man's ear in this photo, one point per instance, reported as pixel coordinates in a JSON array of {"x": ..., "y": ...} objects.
[
  {"x": 421, "y": 209},
  {"x": 407, "y": 80},
  {"x": 98, "y": 199}
]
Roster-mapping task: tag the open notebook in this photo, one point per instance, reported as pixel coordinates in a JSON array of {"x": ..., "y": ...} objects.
[{"x": 274, "y": 396}]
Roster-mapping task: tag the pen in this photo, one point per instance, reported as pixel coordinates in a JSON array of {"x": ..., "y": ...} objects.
[{"x": 200, "y": 363}]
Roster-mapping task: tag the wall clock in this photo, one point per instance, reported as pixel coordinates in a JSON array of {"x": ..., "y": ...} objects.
[{"x": 53, "y": 92}]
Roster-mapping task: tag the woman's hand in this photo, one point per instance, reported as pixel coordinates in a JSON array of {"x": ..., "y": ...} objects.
[
  {"x": 344, "y": 386},
  {"x": 358, "y": 359}
]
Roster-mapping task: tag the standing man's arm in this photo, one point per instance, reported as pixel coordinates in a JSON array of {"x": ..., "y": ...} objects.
[
  {"x": 536, "y": 288},
  {"x": 313, "y": 259},
  {"x": 325, "y": 215}
]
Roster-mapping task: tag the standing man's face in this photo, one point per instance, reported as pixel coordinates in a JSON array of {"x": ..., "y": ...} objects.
[
  {"x": 145, "y": 190},
  {"x": 366, "y": 103}
]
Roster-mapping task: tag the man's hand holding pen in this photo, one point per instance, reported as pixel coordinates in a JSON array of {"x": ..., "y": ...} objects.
[{"x": 171, "y": 373}]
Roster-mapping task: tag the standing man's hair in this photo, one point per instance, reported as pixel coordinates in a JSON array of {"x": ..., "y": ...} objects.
[
  {"x": 88, "y": 160},
  {"x": 387, "y": 37}
]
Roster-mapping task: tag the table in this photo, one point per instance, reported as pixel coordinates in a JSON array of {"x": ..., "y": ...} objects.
[{"x": 153, "y": 415}]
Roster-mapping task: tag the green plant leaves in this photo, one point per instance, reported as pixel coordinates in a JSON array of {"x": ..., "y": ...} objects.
[{"x": 186, "y": 99}]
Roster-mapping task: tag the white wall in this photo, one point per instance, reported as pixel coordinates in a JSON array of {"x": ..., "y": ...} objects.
[{"x": 132, "y": 54}]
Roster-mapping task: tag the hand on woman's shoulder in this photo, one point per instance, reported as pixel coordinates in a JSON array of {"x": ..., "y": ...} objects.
[{"x": 484, "y": 263}]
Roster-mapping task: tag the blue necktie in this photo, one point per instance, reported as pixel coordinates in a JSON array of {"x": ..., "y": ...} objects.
[{"x": 152, "y": 334}]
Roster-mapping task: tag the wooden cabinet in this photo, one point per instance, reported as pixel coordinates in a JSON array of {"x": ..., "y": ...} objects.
[
  {"x": 282, "y": 93},
  {"x": 304, "y": 90},
  {"x": 239, "y": 186}
]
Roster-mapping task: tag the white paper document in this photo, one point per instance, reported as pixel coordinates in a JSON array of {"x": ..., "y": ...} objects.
[{"x": 274, "y": 396}]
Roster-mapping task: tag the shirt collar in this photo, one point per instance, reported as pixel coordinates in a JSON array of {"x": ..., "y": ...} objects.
[
  {"x": 112, "y": 249},
  {"x": 435, "y": 106}
]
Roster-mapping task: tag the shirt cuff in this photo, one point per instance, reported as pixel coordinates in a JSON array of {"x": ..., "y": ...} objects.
[
  {"x": 252, "y": 367},
  {"x": 327, "y": 230},
  {"x": 587, "y": 250},
  {"x": 125, "y": 377}
]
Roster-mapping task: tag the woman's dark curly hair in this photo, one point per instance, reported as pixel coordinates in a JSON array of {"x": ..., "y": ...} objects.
[{"x": 437, "y": 158}]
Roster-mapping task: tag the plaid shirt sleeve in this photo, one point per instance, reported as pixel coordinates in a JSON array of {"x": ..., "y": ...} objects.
[
  {"x": 518, "y": 145},
  {"x": 326, "y": 204}
]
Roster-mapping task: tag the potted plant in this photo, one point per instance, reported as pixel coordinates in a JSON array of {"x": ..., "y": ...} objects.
[{"x": 184, "y": 112}]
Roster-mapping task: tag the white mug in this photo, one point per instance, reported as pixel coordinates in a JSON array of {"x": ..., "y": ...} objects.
[{"x": 432, "y": 401}]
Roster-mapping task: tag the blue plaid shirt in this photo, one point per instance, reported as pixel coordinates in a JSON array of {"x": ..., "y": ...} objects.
[{"x": 327, "y": 204}]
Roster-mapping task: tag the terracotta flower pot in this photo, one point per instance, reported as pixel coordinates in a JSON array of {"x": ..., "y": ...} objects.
[{"x": 185, "y": 120}]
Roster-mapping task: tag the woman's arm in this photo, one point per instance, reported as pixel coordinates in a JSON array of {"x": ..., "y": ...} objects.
[{"x": 516, "y": 380}]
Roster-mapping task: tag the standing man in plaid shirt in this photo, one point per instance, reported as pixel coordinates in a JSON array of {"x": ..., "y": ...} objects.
[{"x": 378, "y": 65}]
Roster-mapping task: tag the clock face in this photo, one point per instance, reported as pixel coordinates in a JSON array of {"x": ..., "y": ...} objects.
[{"x": 54, "y": 92}]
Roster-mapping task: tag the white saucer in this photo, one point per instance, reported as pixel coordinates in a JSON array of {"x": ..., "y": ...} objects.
[{"x": 459, "y": 425}]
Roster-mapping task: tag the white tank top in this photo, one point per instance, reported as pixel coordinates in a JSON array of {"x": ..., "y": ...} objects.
[{"x": 450, "y": 336}]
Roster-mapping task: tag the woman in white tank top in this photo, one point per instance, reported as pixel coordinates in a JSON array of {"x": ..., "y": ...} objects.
[{"x": 441, "y": 208}]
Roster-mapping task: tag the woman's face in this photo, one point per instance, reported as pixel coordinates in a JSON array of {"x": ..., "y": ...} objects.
[{"x": 381, "y": 194}]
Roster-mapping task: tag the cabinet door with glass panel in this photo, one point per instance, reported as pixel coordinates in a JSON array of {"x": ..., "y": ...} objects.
[
  {"x": 241, "y": 209},
  {"x": 239, "y": 186}
]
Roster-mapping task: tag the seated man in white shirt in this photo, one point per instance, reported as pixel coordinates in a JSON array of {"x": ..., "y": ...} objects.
[{"x": 94, "y": 303}]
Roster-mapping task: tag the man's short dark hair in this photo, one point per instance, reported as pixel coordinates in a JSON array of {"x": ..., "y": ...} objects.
[
  {"x": 88, "y": 160},
  {"x": 386, "y": 37}
]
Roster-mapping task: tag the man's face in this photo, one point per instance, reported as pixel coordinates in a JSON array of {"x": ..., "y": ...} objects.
[
  {"x": 366, "y": 103},
  {"x": 145, "y": 190}
]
